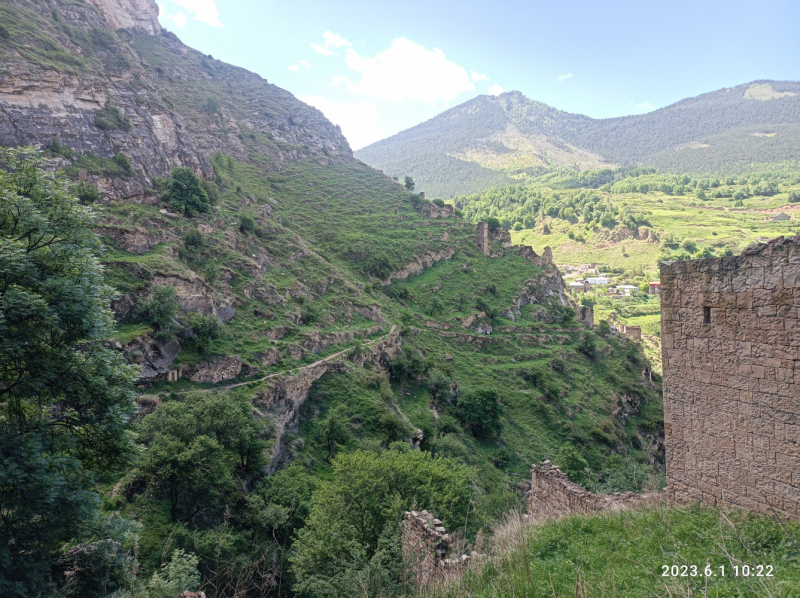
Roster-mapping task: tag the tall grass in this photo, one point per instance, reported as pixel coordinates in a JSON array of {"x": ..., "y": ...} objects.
[{"x": 623, "y": 555}]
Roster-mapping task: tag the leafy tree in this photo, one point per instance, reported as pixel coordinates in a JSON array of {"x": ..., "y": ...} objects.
[
  {"x": 439, "y": 387},
  {"x": 689, "y": 245},
  {"x": 355, "y": 516},
  {"x": 195, "y": 447},
  {"x": 247, "y": 225},
  {"x": 493, "y": 224},
  {"x": 311, "y": 313},
  {"x": 480, "y": 411},
  {"x": 186, "y": 194},
  {"x": 206, "y": 329},
  {"x": 334, "y": 432},
  {"x": 588, "y": 344},
  {"x": 86, "y": 192},
  {"x": 64, "y": 397},
  {"x": 161, "y": 308},
  {"x": 572, "y": 463},
  {"x": 409, "y": 183},
  {"x": 179, "y": 575},
  {"x": 435, "y": 306}
]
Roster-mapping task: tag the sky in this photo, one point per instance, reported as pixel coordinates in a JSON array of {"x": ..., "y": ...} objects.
[{"x": 376, "y": 67}]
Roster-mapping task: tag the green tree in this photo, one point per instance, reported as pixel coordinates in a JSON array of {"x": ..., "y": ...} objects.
[
  {"x": 161, "y": 308},
  {"x": 355, "y": 516},
  {"x": 334, "y": 432},
  {"x": 409, "y": 183},
  {"x": 480, "y": 411},
  {"x": 206, "y": 329},
  {"x": 65, "y": 398},
  {"x": 186, "y": 194},
  {"x": 195, "y": 448},
  {"x": 439, "y": 387},
  {"x": 689, "y": 245}
]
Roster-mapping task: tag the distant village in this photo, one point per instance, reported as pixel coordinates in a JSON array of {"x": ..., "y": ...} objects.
[{"x": 586, "y": 278}]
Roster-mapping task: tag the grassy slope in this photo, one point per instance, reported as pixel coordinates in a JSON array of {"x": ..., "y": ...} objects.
[{"x": 623, "y": 555}]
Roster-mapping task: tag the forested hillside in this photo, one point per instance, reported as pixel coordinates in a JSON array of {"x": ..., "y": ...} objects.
[
  {"x": 231, "y": 355},
  {"x": 724, "y": 130}
]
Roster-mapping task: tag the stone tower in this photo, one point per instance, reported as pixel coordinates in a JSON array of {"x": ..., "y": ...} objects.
[
  {"x": 482, "y": 237},
  {"x": 730, "y": 332}
]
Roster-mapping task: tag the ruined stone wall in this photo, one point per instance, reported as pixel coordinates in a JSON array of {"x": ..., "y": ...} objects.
[
  {"x": 632, "y": 332},
  {"x": 730, "y": 347},
  {"x": 426, "y": 543},
  {"x": 445, "y": 211},
  {"x": 554, "y": 495}
]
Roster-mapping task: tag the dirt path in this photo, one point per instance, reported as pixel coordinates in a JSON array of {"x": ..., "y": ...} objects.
[{"x": 298, "y": 369}]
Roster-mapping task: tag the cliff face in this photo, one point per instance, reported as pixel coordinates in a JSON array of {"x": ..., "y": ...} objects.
[
  {"x": 177, "y": 105},
  {"x": 130, "y": 14}
]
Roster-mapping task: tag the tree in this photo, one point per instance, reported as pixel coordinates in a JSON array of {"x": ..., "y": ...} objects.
[
  {"x": 439, "y": 387},
  {"x": 186, "y": 194},
  {"x": 689, "y": 245},
  {"x": 480, "y": 410},
  {"x": 409, "y": 183},
  {"x": 195, "y": 447},
  {"x": 493, "y": 224},
  {"x": 334, "y": 432},
  {"x": 161, "y": 308},
  {"x": 65, "y": 398},
  {"x": 206, "y": 329},
  {"x": 355, "y": 515}
]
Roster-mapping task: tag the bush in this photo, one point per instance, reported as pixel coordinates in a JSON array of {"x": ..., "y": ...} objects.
[
  {"x": 794, "y": 197},
  {"x": 480, "y": 411},
  {"x": 211, "y": 105},
  {"x": 409, "y": 183},
  {"x": 193, "y": 239},
  {"x": 4, "y": 34},
  {"x": 56, "y": 149},
  {"x": 86, "y": 192},
  {"x": 310, "y": 313},
  {"x": 111, "y": 119},
  {"x": 588, "y": 344},
  {"x": 409, "y": 365},
  {"x": 689, "y": 245},
  {"x": 439, "y": 387},
  {"x": 123, "y": 162},
  {"x": 247, "y": 225},
  {"x": 206, "y": 329}
]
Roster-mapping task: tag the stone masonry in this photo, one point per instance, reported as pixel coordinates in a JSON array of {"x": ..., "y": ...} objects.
[
  {"x": 731, "y": 346},
  {"x": 426, "y": 543},
  {"x": 482, "y": 237},
  {"x": 554, "y": 495}
]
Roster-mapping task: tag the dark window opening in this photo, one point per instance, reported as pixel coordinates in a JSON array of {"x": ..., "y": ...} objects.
[{"x": 706, "y": 315}]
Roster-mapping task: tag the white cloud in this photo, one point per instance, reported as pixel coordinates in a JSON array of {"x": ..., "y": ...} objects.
[
  {"x": 178, "y": 18},
  {"x": 339, "y": 80},
  {"x": 305, "y": 64},
  {"x": 564, "y": 77},
  {"x": 407, "y": 71},
  {"x": 359, "y": 121},
  {"x": 204, "y": 11},
  {"x": 643, "y": 106},
  {"x": 332, "y": 40},
  {"x": 293, "y": 67},
  {"x": 322, "y": 50},
  {"x": 478, "y": 77},
  {"x": 495, "y": 90}
]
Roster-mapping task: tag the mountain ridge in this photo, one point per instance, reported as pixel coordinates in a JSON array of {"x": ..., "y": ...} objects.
[{"x": 727, "y": 121}]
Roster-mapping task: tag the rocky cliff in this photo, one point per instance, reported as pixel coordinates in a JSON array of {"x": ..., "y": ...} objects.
[{"x": 102, "y": 78}]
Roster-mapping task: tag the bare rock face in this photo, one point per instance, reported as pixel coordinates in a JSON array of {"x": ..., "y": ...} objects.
[
  {"x": 130, "y": 14},
  {"x": 155, "y": 357},
  {"x": 418, "y": 264}
]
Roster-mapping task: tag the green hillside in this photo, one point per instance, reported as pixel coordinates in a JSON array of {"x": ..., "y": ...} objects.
[
  {"x": 317, "y": 321},
  {"x": 517, "y": 137}
]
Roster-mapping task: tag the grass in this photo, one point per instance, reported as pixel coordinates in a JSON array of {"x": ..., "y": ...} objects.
[{"x": 626, "y": 555}]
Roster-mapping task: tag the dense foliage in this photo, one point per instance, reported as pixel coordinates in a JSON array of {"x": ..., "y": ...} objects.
[{"x": 64, "y": 397}]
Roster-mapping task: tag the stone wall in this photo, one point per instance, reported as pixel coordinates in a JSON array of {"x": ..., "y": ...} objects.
[
  {"x": 482, "y": 237},
  {"x": 425, "y": 544},
  {"x": 730, "y": 348},
  {"x": 554, "y": 495},
  {"x": 445, "y": 211},
  {"x": 632, "y": 332}
]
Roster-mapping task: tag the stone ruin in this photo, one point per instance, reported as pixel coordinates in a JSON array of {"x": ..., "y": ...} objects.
[
  {"x": 482, "y": 237},
  {"x": 445, "y": 211},
  {"x": 587, "y": 315},
  {"x": 426, "y": 545},
  {"x": 730, "y": 334},
  {"x": 554, "y": 495},
  {"x": 632, "y": 332}
]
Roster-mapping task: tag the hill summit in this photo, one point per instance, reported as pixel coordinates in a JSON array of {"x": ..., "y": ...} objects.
[{"x": 490, "y": 140}]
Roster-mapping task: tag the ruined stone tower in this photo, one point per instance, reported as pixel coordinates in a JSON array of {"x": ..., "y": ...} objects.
[
  {"x": 482, "y": 237},
  {"x": 731, "y": 349}
]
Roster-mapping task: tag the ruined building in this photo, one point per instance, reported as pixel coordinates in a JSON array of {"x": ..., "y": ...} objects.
[
  {"x": 731, "y": 348},
  {"x": 482, "y": 237}
]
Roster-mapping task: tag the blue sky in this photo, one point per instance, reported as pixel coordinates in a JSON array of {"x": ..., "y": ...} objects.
[{"x": 377, "y": 67}]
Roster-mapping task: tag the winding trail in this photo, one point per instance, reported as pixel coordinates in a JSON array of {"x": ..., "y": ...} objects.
[{"x": 297, "y": 369}]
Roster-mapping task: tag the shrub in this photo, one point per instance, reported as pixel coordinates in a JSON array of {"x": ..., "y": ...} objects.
[
  {"x": 310, "y": 313},
  {"x": 438, "y": 202},
  {"x": 206, "y": 329},
  {"x": 409, "y": 183},
  {"x": 247, "y": 225},
  {"x": 211, "y": 105},
  {"x": 493, "y": 224},
  {"x": 439, "y": 387},
  {"x": 794, "y": 197},
  {"x": 4, "y": 34},
  {"x": 123, "y": 162},
  {"x": 109, "y": 118},
  {"x": 588, "y": 344},
  {"x": 86, "y": 192},
  {"x": 480, "y": 411},
  {"x": 689, "y": 245},
  {"x": 193, "y": 239},
  {"x": 409, "y": 365},
  {"x": 56, "y": 149}
]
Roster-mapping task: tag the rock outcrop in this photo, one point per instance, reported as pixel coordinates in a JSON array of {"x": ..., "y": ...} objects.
[
  {"x": 418, "y": 264},
  {"x": 130, "y": 14}
]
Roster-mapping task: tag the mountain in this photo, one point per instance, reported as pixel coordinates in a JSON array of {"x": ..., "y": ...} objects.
[
  {"x": 298, "y": 320},
  {"x": 488, "y": 140}
]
